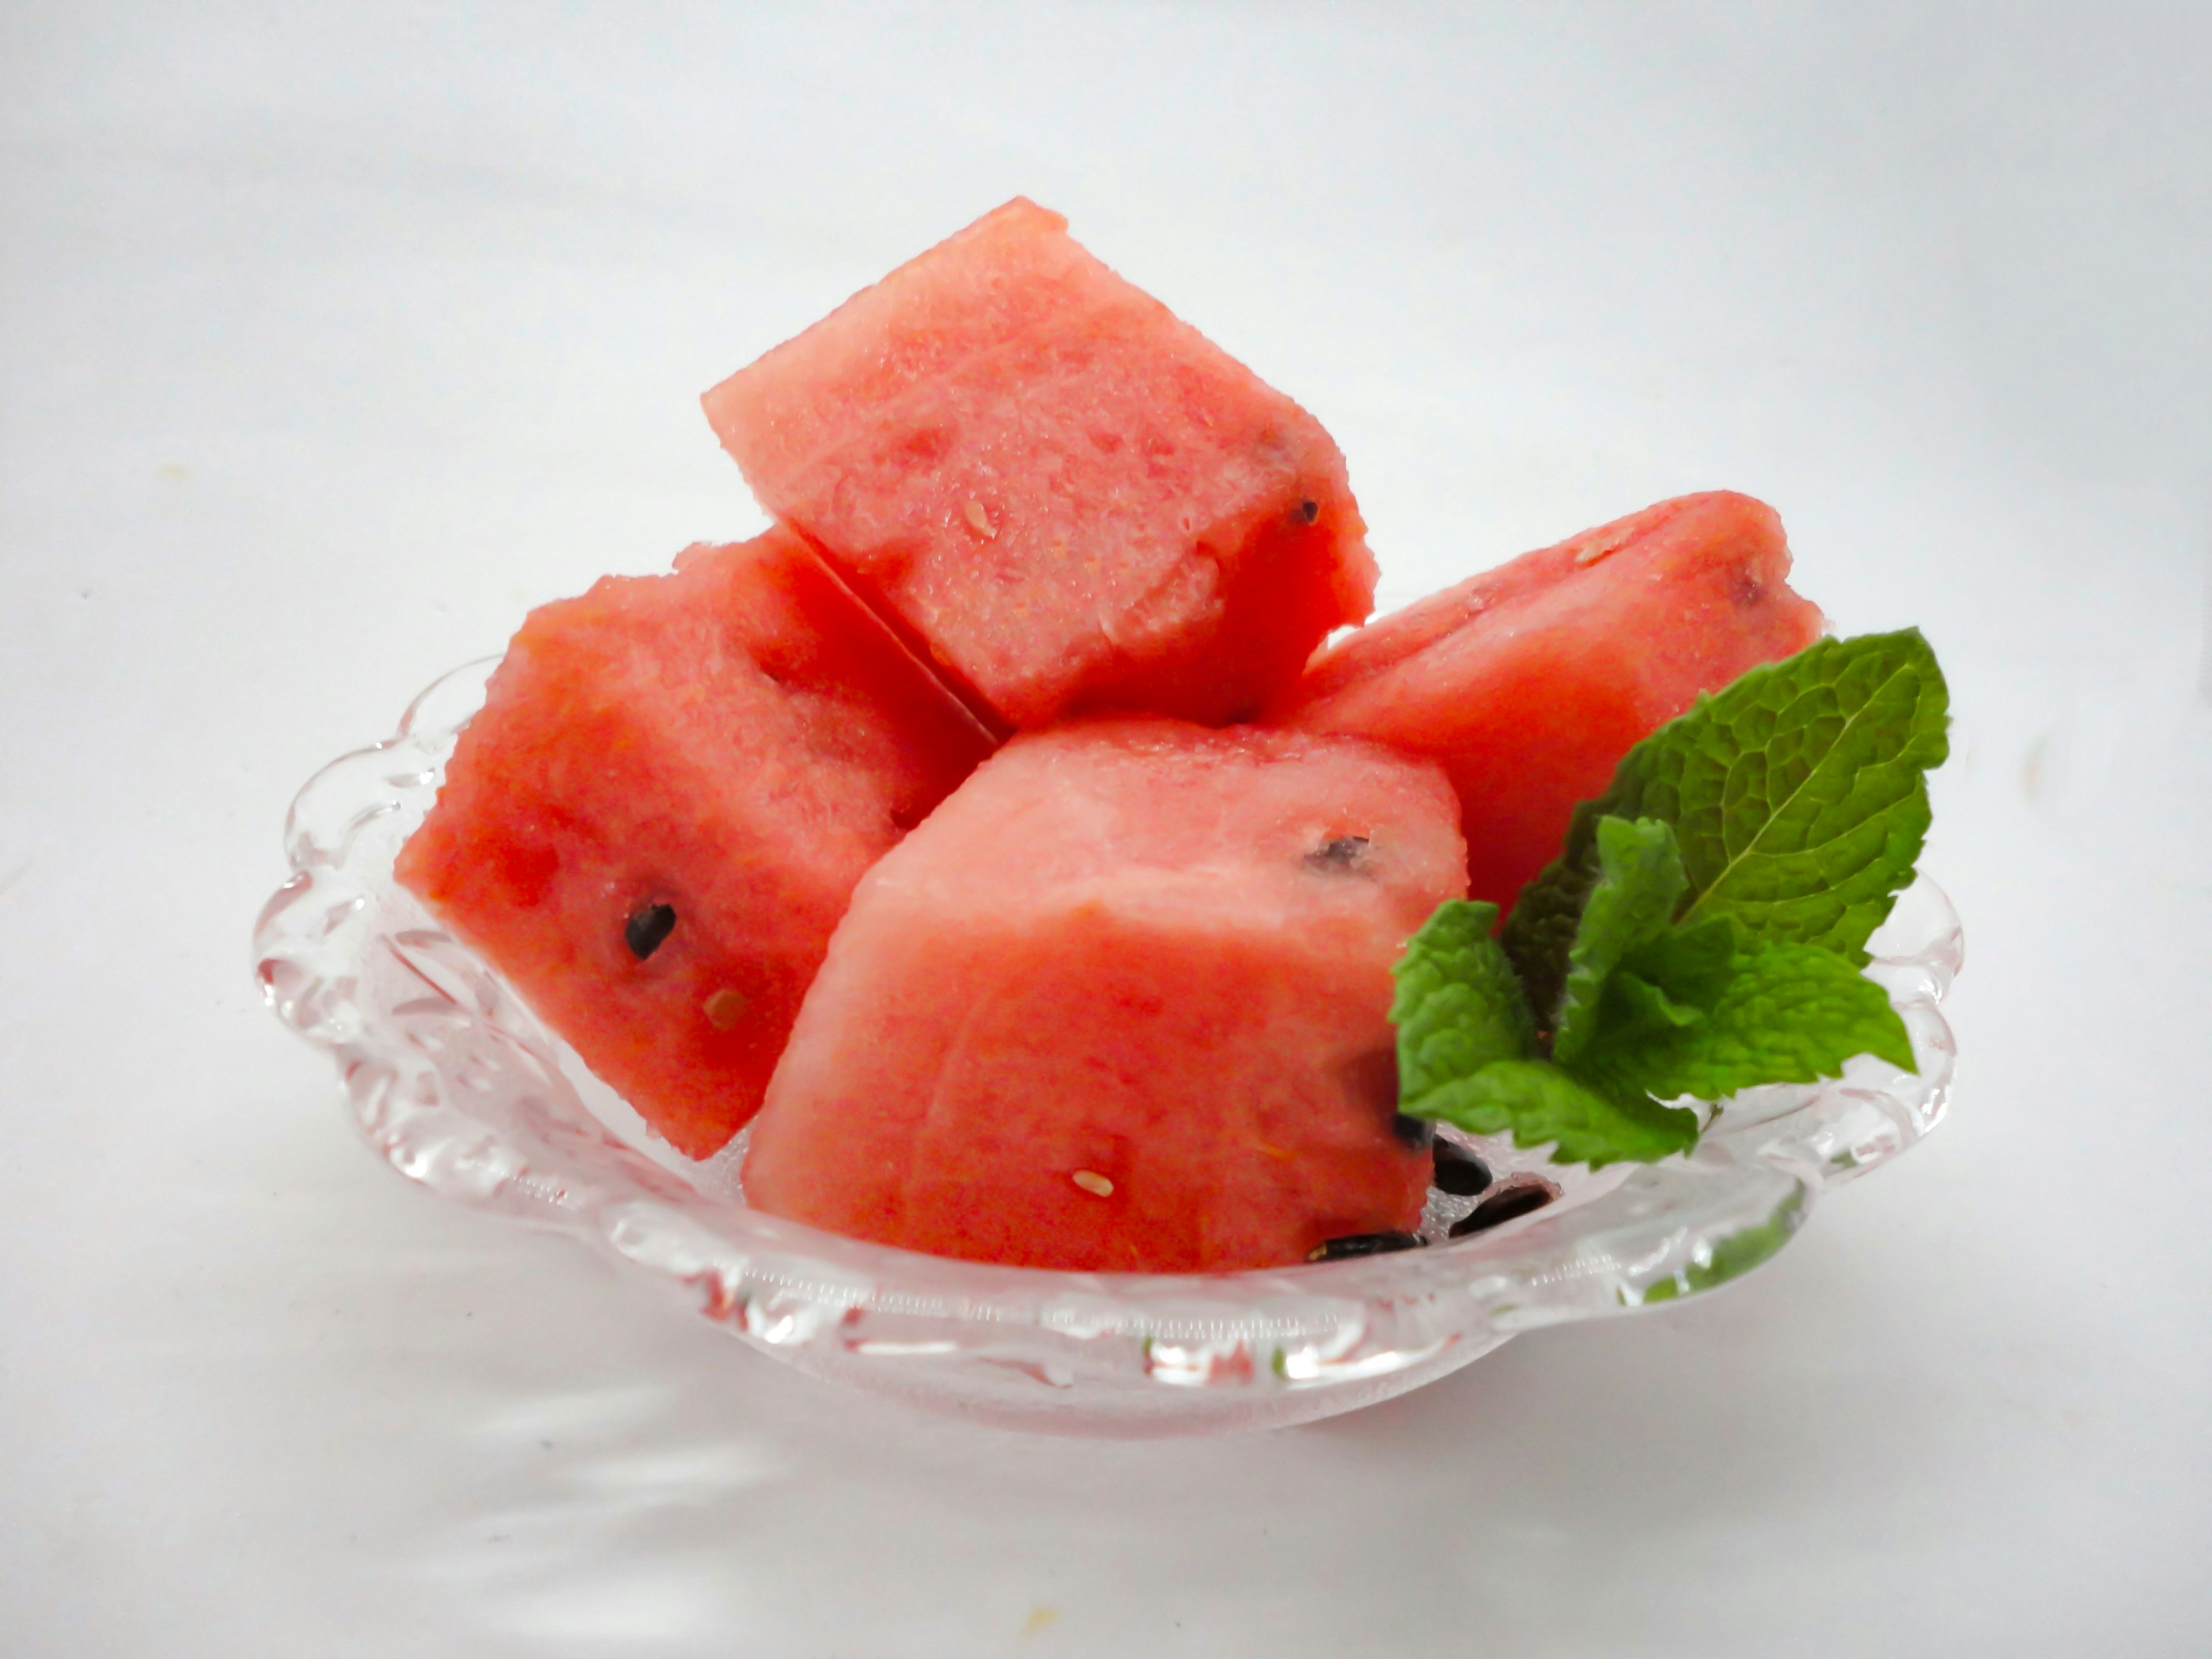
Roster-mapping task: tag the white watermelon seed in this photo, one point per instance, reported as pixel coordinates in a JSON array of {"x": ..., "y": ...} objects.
[
  {"x": 1605, "y": 547},
  {"x": 1094, "y": 1183}
]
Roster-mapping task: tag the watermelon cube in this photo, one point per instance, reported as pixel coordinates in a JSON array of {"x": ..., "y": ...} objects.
[
  {"x": 1120, "y": 1004},
  {"x": 654, "y": 822},
  {"x": 1068, "y": 498},
  {"x": 1531, "y": 680}
]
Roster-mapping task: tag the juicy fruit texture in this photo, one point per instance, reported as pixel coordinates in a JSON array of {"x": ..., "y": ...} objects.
[
  {"x": 655, "y": 822},
  {"x": 1531, "y": 680},
  {"x": 1072, "y": 500},
  {"x": 1121, "y": 1005}
]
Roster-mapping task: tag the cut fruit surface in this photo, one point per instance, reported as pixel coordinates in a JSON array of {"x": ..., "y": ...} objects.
[
  {"x": 1528, "y": 683},
  {"x": 1071, "y": 500},
  {"x": 654, "y": 822},
  {"x": 1121, "y": 1004}
]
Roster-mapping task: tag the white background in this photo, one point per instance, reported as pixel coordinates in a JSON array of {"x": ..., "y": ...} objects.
[{"x": 331, "y": 339}]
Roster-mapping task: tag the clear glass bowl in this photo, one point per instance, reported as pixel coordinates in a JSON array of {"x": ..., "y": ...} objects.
[{"x": 463, "y": 1090}]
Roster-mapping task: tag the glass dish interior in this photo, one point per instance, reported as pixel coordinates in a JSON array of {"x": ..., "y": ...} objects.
[{"x": 462, "y": 1090}]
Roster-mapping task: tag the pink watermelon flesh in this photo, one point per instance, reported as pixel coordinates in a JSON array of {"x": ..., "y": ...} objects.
[
  {"x": 737, "y": 742},
  {"x": 1069, "y": 499},
  {"x": 1142, "y": 951},
  {"x": 1531, "y": 680}
]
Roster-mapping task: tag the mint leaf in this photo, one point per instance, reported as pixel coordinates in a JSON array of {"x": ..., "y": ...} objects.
[
  {"x": 1782, "y": 1013},
  {"x": 1667, "y": 984},
  {"x": 1804, "y": 810},
  {"x": 1640, "y": 879},
  {"x": 1541, "y": 1103},
  {"x": 1798, "y": 794},
  {"x": 1636, "y": 1009},
  {"x": 1458, "y": 1007},
  {"x": 1695, "y": 962}
]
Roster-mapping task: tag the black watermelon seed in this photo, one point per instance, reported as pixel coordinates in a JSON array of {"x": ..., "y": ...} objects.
[
  {"x": 1352, "y": 1244},
  {"x": 1340, "y": 854},
  {"x": 1460, "y": 1172},
  {"x": 1308, "y": 510},
  {"x": 1507, "y": 1203},
  {"x": 648, "y": 929},
  {"x": 1415, "y": 1132}
]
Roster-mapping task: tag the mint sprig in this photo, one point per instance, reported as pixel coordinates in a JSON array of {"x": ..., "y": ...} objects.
[
  {"x": 1469, "y": 1054},
  {"x": 1798, "y": 793},
  {"x": 1709, "y": 943}
]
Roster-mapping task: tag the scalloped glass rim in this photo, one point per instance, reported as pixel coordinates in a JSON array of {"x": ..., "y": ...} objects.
[{"x": 460, "y": 1088}]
